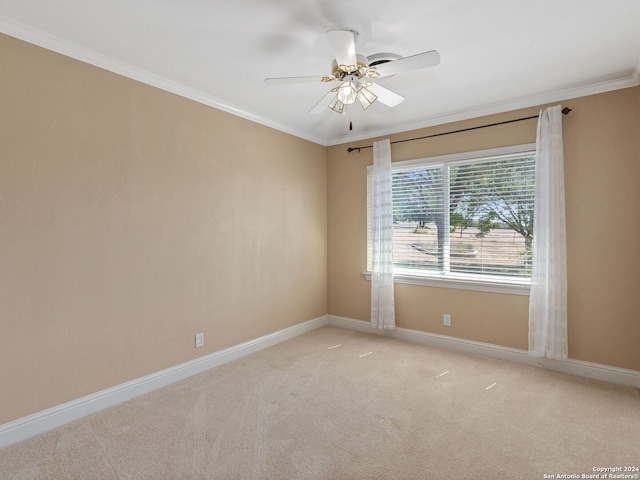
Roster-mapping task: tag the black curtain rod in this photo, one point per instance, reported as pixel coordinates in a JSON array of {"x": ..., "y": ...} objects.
[{"x": 565, "y": 111}]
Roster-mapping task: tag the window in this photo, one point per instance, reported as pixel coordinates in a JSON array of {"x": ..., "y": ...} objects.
[{"x": 465, "y": 220}]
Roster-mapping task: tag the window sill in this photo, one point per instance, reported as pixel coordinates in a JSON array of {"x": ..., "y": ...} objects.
[{"x": 514, "y": 287}]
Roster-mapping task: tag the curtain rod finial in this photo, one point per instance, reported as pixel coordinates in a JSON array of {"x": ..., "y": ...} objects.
[{"x": 566, "y": 110}]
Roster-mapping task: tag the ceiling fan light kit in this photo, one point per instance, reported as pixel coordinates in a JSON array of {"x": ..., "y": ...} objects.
[
  {"x": 366, "y": 97},
  {"x": 354, "y": 71},
  {"x": 337, "y": 106},
  {"x": 347, "y": 92},
  {"x": 350, "y": 91}
]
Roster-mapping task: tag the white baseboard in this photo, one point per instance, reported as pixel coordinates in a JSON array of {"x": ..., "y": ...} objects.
[
  {"x": 621, "y": 376},
  {"x": 57, "y": 416}
]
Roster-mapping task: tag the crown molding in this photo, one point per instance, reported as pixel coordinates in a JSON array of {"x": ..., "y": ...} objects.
[
  {"x": 69, "y": 49},
  {"x": 631, "y": 80},
  {"x": 72, "y": 50}
]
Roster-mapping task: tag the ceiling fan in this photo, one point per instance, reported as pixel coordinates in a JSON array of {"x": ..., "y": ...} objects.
[{"x": 355, "y": 73}]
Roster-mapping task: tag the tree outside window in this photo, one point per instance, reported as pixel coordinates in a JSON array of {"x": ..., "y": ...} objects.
[{"x": 470, "y": 217}]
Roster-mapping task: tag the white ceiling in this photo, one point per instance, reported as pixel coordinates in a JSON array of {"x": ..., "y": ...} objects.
[{"x": 497, "y": 55}]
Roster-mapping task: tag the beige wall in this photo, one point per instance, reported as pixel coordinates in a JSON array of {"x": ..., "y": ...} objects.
[
  {"x": 131, "y": 219},
  {"x": 602, "y": 174}
]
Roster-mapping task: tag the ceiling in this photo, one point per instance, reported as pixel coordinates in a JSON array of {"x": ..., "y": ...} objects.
[{"x": 496, "y": 55}]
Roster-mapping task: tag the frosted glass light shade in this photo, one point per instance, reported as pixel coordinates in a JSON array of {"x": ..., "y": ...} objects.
[
  {"x": 336, "y": 105},
  {"x": 365, "y": 97},
  {"x": 347, "y": 92}
]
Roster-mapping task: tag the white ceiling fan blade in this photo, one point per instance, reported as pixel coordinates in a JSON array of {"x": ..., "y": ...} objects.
[
  {"x": 343, "y": 46},
  {"x": 409, "y": 64},
  {"x": 385, "y": 96},
  {"x": 292, "y": 80},
  {"x": 324, "y": 102}
]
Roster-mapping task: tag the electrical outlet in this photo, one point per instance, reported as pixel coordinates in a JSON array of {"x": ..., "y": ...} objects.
[
  {"x": 446, "y": 320},
  {"x": 199, "y": 340}
]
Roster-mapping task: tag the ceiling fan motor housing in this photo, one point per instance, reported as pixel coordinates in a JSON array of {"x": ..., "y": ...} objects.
[{"x": 380, "y": 58}]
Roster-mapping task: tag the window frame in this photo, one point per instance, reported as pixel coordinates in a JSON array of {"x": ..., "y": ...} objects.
[{"x": 464, "y": 281}]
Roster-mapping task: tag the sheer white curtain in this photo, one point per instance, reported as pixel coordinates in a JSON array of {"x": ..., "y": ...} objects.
[
  {"x": 382, "y": 305},
  {"x": 548, "y": 300}
]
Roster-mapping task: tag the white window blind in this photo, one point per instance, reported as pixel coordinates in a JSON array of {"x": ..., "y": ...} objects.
[{"x": 465, "y": 216}]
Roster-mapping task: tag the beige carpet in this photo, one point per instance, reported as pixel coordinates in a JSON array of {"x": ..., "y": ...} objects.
[{"x": 339, "y": 404}]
